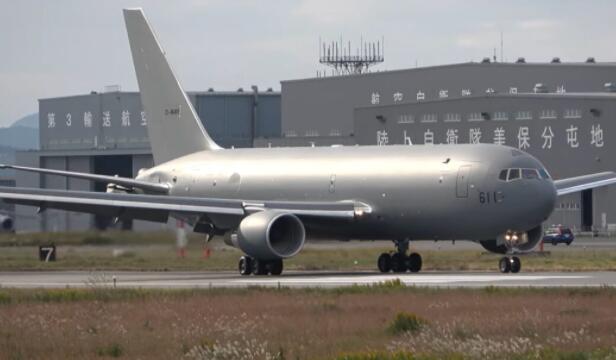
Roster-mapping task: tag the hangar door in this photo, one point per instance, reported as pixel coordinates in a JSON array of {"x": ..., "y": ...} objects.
[{"x": 121, "y": 165}]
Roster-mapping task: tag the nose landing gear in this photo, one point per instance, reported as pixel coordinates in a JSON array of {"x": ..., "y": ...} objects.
[
  {"x": 510, "y": 264},
  {"x": 399, "y": 262}
]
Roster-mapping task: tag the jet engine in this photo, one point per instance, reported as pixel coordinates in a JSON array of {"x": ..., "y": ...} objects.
[
  {"x": 522, "y": 241},
  {"x": 269, "y": 235}
]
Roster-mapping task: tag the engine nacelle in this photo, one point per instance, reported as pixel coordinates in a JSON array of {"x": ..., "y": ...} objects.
[
  {"x": 521, "y": 241},
  {"x": 269, "y": 235}
]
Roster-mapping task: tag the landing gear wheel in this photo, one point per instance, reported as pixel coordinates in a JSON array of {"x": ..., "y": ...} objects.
[
  {"x": 414, "y": 262},
  {"x": 275, "y": 267},
  {"x": 398, "y": 263},
  {"x": 245, "y": 265},
  {"x": 259, "y": 267},
  {"x": 516, "y": 265},
  {"x": 504, "y": 265},
  {"x": 384, "y": 263}
]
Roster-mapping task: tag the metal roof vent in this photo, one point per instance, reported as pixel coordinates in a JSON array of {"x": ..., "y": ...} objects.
[
  {"x": 210, "y": 90},
  {"x": 240, "y": 90},
  {"x": 610, "y": 87},
  {"x": 540, "y": 88},
  {"x": 590, "y": 60},
  {"x": 270, "y": 90},
  {"x": 520, "y": 60},
  {"x": 486, "y": 60},
  {"x": 556, "y": 60}
]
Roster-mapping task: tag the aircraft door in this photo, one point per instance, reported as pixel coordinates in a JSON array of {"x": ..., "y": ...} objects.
[{"x": 462, "y": 181}]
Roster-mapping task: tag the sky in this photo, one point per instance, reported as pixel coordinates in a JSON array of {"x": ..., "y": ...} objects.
[{"x": 68, "y": 47}]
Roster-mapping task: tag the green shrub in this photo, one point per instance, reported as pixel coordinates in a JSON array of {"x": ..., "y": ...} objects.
[
  {"x": 113, "y": 350},
  {"x": 406, "y": 322}
]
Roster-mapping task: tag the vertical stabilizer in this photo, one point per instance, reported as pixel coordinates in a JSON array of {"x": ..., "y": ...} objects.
[{"x": 174, "y": 128}]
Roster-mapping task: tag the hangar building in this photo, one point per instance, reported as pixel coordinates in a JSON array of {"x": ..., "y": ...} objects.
[
  {"x": 106, "y": 133},
  {"x": 563, "y": 113}
]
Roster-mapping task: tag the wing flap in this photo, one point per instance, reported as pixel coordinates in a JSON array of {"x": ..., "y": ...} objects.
[{"x": 584, "y": 182}]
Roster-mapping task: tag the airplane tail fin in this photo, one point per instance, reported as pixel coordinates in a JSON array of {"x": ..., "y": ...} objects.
[{"x": 174, "y": 128}]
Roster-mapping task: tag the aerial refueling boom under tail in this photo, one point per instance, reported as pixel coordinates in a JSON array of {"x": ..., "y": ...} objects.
[{"x": 267, "y": 202}]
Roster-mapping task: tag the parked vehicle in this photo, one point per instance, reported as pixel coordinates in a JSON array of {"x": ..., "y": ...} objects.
[{"x": 558, "y": 234}]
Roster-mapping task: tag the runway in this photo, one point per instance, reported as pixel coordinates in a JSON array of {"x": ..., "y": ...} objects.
[{"x": 297, "y": 279}]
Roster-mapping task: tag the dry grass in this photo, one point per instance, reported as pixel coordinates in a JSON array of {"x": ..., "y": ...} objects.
[
  {"x": 289, "y": 324},
  {"x": 126, "y": 250},
  {"x": 163, "y": 257}
]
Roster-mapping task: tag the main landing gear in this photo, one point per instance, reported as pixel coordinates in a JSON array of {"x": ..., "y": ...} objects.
[
  {"x": 248, "y": 265},
  {"x": 509, "y": 264},
  {"x": 398, "y": 261}
]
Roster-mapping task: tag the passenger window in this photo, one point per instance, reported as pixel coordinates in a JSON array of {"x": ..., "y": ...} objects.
[
  {"x": 530, "y": 174},
  {"x": 503, "y": 175},
  {"x": 514, "y": 174}
]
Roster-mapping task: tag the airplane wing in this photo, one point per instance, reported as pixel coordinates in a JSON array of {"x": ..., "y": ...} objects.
[
  {"x": 129, "y": 183},
  {"x": 584, "y": 182},
  {"x": 159, "y": 207}
]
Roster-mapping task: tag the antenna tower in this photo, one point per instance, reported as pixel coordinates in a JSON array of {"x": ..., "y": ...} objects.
[{"x": 344, "y": 61}]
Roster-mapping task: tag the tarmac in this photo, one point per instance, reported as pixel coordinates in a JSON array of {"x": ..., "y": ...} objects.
[{"x": 299, "y": 279}]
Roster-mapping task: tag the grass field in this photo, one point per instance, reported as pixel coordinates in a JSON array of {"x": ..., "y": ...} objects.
[
  {"x": 155, "y": 251},
  {"x": 388, "y": 321}
]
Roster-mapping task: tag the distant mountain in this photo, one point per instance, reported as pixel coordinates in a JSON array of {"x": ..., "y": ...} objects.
[
  {"x": 29, "y": 121},
  {"x": 19, "y": 138}
]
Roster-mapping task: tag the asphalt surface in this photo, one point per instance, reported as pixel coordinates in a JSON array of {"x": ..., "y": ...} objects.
[{"x": 164, "y": 280}]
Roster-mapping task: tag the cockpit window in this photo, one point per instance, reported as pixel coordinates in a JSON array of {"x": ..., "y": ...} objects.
[
  {"x": 530, "y": 174},
  {"x": 544, "y": 174},
  {"x": 503, "y": 175},
  {"x": 514, "y": 174}
]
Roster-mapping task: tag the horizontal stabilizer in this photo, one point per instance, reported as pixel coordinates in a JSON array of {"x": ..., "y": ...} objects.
[
  {"x": 584, "y": 182},
  {"x": 145, "y": 186}
]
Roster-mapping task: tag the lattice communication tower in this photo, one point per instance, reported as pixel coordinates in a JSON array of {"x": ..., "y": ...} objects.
[{"x": 346, "y": 62}]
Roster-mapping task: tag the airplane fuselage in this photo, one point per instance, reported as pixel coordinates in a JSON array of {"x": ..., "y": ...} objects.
[{"x": 415, "y": 192}]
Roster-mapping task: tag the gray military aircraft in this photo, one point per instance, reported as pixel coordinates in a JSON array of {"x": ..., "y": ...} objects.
[{"x": 268, "y": 201}]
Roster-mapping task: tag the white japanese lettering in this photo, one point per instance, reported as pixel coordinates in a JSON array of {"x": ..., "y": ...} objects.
[
  {"x": 572, "y": 137},
  {"x": 523, "y": 137},
  {"x": 428, "y": 137},
  {"x": 547, "y": 136},
  {"x": 106, "y": 119},
  {"x": 596, "y": 136},
  {"x": 375, "y": 98},
  {"x": 382, "y": 138},
  {"x": 125, "y": 118},
  {"x": 499, "y": 136},
  {"x": 51, "y": 120},
  {"x": 87, "y": 119},
  {"x": 451, "y": 136},
  {"x": 474, "y": 136}
]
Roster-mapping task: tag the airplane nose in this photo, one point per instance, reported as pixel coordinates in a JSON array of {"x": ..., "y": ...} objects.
[{"x": 544, "y": 200}]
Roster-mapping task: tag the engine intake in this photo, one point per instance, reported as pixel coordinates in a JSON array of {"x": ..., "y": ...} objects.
[{"x": 269, "y": 235}]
